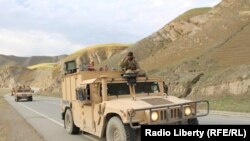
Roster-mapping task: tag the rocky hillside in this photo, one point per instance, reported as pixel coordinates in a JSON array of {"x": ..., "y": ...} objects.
[
  {"x": 204, "y": 51},
  {"x": 194, "y": 50},
  {"x": 6, "y": 61},
  {"x": 14, "y": 75},
  {"x": 213, "y": 37},
  {"x": 216, "y": 45},
  {"x": 179, "y": 28},
  {"x": 47, "y": 75},
  {"x": 98, "y": 53}
]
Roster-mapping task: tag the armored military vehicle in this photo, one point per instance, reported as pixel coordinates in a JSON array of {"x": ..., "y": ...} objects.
[
  {"x": 22, "y": 93},
  {"x": 113, "y": 104}
]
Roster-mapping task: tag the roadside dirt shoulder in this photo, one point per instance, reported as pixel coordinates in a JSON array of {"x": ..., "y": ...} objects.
[
  {"x": 231, "y": 114},
  {"x": 13, "y": 127}
]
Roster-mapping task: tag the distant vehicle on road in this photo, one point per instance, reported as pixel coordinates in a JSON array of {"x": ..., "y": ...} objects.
[
  {"x": 22, "y": 93},
  {"x": 114, "y": 104}
]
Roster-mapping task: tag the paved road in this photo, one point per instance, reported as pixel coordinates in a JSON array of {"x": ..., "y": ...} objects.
[{"x": 44, "y": 115}]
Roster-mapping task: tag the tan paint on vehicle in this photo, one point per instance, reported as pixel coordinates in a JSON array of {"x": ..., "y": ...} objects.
[{"x": 90, "y": 115}]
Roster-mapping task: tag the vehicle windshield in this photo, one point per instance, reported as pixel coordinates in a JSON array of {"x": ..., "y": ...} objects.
[
  {"x": 118, "y": 89},
  {"x": 140, "y": 88},
  {"x": 23, "y": 90},
  {"x": 146, "y": 87}
]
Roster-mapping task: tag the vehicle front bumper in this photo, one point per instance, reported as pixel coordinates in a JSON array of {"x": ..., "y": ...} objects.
[
  {"x": 167, "y": 110},
  {"x": 24, "y": 95}
]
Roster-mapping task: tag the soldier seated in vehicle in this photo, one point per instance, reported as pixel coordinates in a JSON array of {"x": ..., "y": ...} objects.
[{"x": 130, "y": 65}]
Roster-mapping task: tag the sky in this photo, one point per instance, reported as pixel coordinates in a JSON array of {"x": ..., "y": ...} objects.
[{"x": 55, "y": 27}]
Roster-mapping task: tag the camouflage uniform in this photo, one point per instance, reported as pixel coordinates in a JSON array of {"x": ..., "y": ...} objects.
[{"x": 129, "y": 65}]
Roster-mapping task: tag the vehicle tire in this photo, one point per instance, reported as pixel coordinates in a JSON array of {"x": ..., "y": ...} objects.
[
  {"x": 117, "y": 131},
  {"x": 30, "y": 98},
  {"x": 193, "y": 121},
  {"x": 17, "y": 99},
  {"x": 69, "y": 123}
]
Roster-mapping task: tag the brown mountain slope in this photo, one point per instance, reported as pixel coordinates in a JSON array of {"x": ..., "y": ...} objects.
[
  {"x": 27, "y": 61},
  {"x": 223, "y": 24},
  {"x": 220, "y": 44},
  {"x": 204, "y": 51},
  {"x": 48, "y": 78},
  {"x": 15, "y": 75},
  {"x": 199, "y": 47},
  {"x": 179, "y": 28},
  {"x": 98, "y": 53},
  {"x": 192, "y": 13}
]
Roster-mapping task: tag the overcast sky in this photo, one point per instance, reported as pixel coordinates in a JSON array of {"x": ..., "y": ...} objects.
[{"x": 54, "y": 27}]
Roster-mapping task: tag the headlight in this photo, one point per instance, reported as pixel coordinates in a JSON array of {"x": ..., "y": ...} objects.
[
  {"x": 154, "y": 116},
  {"x": 187, "y": 111}
]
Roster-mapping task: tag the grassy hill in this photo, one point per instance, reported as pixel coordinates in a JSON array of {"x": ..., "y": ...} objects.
[
  {"x": 192, "y": 13},
  {"x": 42, "y": 65},
  {"x": 147, "y": 47},
  {"x": 221, "y": 42},
  {"x": 205, "y": 41},
  {"x": 112, "y": 47},
  {"x": 203, "y": 53},
  {"x": 27, "y": 61}
]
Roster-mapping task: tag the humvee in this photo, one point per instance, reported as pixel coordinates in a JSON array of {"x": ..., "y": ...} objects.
[
  {"x": 113, "y": 104},
  {"x": 22, "y": 93}
]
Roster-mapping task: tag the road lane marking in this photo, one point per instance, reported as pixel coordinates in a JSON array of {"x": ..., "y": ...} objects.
[{"x": 58, "y": 123}]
